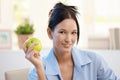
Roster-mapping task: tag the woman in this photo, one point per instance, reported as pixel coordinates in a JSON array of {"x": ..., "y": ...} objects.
[{"x": 64, "y": 61}]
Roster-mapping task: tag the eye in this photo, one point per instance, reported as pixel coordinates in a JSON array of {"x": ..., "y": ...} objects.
[
  {"x": 62, "y": 32},
  {"x": 74, "y": 33}
]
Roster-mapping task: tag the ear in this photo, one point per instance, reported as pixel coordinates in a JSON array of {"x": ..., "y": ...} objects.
[{"x": 49, "y": 32}]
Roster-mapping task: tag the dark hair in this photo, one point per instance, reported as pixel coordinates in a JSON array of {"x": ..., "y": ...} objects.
[{"x": 61, "y": 12}]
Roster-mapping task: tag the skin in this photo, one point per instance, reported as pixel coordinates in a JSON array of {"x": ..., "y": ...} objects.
[
  {"x": 64, "y": 37},
  {"x": 33, "y": 57}
]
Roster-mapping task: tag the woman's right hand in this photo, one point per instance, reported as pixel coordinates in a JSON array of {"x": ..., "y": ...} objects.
[{"x": 32, "y": 55}]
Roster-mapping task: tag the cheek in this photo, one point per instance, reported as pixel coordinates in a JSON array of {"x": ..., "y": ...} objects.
[
  {"x": 74, "y": 39},
  {"x": 57, "y": 39}
]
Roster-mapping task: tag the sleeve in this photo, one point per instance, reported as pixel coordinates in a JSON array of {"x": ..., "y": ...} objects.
[
  {"x": 33, "y": 74},
  {"x": 104, "y": 72}
]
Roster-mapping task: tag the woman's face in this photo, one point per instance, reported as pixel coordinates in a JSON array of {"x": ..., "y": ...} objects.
[{"x": 64, "y": 35}]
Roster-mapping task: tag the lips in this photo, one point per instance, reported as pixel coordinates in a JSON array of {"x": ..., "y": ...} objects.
[{"x": 67, "y": 45}]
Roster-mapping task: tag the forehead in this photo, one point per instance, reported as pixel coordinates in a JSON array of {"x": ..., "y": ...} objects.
[{"x": 67, "y": 24}]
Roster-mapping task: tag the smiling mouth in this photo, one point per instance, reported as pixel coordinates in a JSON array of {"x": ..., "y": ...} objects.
[{"x": 67, "y": 45}]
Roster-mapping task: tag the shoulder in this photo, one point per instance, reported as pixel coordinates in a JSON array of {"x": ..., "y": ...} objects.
[
  {"x": 88, "y": 54},
  {"x": 96, "y": 59}
]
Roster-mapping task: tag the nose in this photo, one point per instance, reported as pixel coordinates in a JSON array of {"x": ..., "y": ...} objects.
[{"x": 68, "y": 38}]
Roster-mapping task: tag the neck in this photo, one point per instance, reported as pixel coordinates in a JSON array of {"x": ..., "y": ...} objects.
[{"x": 63, "y": 57}]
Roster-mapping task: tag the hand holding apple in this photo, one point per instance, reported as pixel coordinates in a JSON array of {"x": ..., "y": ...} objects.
[
  {"x": 32, "y": 47},
  {"x": 37, "y": 47}
]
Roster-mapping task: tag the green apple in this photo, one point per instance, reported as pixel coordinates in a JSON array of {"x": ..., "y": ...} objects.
[{"x": 37, "y": 47}]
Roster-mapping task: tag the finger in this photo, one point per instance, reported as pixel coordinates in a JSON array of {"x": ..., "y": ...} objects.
[
  {"x": 31, "y": 47},
  {"x": 37, "y": 54},
  {"x": 28, "y": 55},
  {"x": 32, "y": 54},
  {"x": 24, "y": 46}
]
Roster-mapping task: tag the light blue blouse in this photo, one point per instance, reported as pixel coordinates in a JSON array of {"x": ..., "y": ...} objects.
[{"x": 87, "y": 66}]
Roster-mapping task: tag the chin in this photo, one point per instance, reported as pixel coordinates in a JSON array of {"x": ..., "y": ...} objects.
[{"x": 67, "y": 49}]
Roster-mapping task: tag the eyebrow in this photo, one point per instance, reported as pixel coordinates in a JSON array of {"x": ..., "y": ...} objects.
[{"x": 66, "y": 30}]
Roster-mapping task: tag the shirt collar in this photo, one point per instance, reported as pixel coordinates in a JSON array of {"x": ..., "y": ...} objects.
[
  {"x": 79, "y": 57},
  {"x": 52, "y": 67}
]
